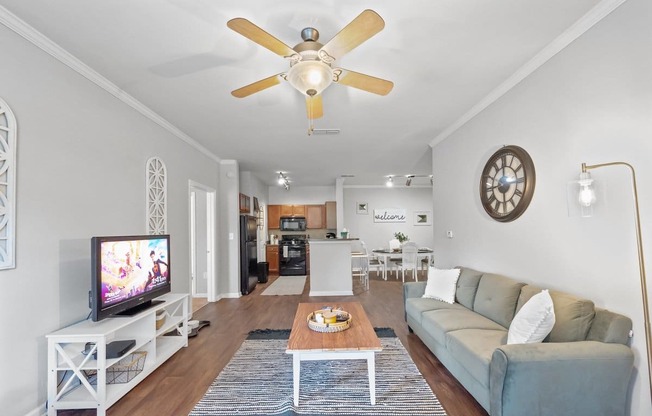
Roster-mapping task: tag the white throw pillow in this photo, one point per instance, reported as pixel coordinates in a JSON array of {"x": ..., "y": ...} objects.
[
  {"x": 534, "y": 321},
  {"x": 442, "y": 284}
]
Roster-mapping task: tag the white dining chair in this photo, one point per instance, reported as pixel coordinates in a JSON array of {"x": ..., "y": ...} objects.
[
  {"x": 375, "y": 262},
  {"x": 408, "y": 260},
  {"x": 392, "y": 261}
]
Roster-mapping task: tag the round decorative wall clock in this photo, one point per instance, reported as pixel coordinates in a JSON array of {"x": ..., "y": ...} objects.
[{"x": 507, "y": 183}]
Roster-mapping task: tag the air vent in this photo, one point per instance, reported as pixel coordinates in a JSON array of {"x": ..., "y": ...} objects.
[{"x": 326, "y": 131}]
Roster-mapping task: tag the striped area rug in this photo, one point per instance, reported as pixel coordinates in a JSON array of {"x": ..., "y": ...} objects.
[{"x": 258, "y": 381}]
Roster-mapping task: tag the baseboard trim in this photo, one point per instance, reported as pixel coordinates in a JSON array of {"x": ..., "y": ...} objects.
[{"x": 39, "y": 411}]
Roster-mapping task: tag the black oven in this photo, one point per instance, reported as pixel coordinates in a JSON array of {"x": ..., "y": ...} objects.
[
  {"x": 293, "y": 224},
  {"x": 292, "y": 257}
]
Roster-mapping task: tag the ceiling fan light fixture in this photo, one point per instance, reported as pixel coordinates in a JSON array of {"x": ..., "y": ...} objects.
[{"x": 310, "y": 77}]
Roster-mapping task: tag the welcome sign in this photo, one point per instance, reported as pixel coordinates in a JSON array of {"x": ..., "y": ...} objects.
[{"x": 389, "y": 215}]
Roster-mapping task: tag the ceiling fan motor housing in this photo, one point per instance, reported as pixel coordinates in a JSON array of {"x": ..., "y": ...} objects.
[{"x": 310, "y": 75}]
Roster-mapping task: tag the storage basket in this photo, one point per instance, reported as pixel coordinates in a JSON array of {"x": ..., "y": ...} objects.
[
  {"x": 160, "y": 318},
  {"x": 123, "y": 371},
  {"x": 342, "y": 323}
]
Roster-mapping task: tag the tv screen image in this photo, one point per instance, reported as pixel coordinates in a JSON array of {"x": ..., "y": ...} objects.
[{"x": 128, "y": 271}]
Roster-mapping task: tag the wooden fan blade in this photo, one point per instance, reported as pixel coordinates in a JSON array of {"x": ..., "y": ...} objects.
[
  {"x": 363, "y": 27},
  {"x": 258, "y": 35},
  {"x": 314, "y": 107},
  {"x": 364, "y": 82},
  {"x": 257, "y": 86}
]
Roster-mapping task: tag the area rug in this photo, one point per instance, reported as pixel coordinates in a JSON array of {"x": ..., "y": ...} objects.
[
  {"x": 258, "y": 381},
  {"x": 286, "y": 285}
]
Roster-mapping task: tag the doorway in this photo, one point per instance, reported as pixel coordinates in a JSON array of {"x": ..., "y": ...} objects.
[{"x": 202, "y": 244}]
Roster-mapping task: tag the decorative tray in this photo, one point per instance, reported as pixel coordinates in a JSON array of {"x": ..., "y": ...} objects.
[{"x": 329, "y": 320}]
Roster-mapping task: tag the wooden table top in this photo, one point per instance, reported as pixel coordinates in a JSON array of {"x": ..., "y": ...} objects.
[{"x": 359, "y": 336}]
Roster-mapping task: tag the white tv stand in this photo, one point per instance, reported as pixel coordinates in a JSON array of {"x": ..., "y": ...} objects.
[{"x": 65, "y": 349}]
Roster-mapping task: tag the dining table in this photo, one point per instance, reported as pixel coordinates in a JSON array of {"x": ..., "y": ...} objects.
[{"x": 385, "y": 255}]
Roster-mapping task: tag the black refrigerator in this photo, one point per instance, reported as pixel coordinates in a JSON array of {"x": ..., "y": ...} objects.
[{"x": 248, "y": 254}]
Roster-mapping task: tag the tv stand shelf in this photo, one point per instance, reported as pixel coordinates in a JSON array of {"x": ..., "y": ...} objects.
[{"x": 68, "y": 362}]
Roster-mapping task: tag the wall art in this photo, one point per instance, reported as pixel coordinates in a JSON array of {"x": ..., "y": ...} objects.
[
  {"x": 422, "y": 218},
  {"x": 389, "y": 215},
  {"x": 7, "y": 187}
]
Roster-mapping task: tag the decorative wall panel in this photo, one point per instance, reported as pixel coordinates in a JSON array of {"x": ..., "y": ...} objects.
[
  {"x": 156, "y": 196},
  {"x": 7, "y": 187}
]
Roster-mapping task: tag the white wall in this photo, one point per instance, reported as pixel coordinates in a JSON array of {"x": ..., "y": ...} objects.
[
  {"x": 228, "y": 218},
  {"x": 81, "y": 172},
  {"x": 253, "y": 187},
  {"x": 377, "y": 235},
  {"x": 301, "y": 195},
  {"x": 591, "y": 103}
]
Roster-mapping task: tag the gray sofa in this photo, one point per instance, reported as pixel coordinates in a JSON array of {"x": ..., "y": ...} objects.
[{"x": 582, "y": 368}]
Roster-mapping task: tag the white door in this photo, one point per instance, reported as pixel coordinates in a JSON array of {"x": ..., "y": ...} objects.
[{"x": 202, "y": 257}]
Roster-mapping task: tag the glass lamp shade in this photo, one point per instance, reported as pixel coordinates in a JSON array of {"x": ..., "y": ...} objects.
[
  {"x": 310, "y": 77},
  {"x": 587, "y": 193}
]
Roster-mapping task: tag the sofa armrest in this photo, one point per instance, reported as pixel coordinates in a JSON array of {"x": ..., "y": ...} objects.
[
  {"x": 564, "y": 378},
  {"x": 413, "y": 290}
]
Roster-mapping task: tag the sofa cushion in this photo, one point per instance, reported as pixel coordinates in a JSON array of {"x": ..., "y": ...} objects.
[
  {"x": 473, "y": 349},
  {"x": 414, "y": 307},
  {"x": 573, "y": 316},
  {"x": 534, "y": 321},
  {"x": 467, "y": 285},
  {"x": 441, "y": 321},
  {"x": 442, "y": 284},
  {"x": 496, "y": 298}
]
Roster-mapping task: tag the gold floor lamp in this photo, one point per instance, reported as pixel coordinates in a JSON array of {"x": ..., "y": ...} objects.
[{"x": 586, "y": 199}]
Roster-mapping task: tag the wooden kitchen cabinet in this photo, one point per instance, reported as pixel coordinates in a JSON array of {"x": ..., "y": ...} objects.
[
  {"x": 331, "y": 215},
  {"x": 272, "y": 258},
  {"x": 293, "y": 210},
  {"x": 273, "y": 217},
  {"x": 315, "y": 216}
]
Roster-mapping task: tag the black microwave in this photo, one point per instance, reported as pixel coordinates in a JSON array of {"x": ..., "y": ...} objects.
[{"x": 293, "y": 224}]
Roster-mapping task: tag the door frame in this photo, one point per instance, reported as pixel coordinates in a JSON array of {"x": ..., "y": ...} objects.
[{"x": 211, "y": 211}]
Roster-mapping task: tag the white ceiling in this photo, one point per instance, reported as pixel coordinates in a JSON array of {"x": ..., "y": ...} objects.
[{"x": 178, "y": 58}]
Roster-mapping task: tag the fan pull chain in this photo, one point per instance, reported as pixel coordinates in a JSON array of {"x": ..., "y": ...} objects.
[{"x": 311, "y": 125}]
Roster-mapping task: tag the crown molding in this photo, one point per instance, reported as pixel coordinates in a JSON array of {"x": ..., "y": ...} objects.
[
  {"x": 39, "y": 40},
  {"x": 586, "y": 22}
]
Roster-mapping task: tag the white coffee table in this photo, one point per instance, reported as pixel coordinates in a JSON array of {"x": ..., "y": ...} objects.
[{"x": 359, "y": 342}]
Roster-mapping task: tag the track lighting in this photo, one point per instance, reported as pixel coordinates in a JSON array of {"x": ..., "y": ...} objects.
[
  {"x": 283, "y": 180},
  {"x": 409, "y": 179}
]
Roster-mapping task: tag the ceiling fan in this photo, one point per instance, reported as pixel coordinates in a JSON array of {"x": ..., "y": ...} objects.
[{"x": 311, "y": 70}]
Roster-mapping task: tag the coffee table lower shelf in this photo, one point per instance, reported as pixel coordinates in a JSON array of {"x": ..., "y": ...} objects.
[{"x": 299, "y": 356}]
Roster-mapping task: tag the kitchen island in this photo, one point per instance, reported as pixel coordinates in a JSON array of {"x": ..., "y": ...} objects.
[{"x": 330, "y": 267}]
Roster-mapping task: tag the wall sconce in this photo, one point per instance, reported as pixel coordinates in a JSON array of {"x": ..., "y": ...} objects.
[{"x": 586, "y": 199}]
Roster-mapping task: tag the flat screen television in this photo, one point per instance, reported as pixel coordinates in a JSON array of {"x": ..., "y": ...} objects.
[{"x": 128, "y": 272}]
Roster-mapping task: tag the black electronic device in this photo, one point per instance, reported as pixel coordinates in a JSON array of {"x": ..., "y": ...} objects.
[{"x": 117, "y": 349}]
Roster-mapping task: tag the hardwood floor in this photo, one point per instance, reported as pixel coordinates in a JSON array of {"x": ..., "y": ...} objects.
[{"x": 175, "y": 387}]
